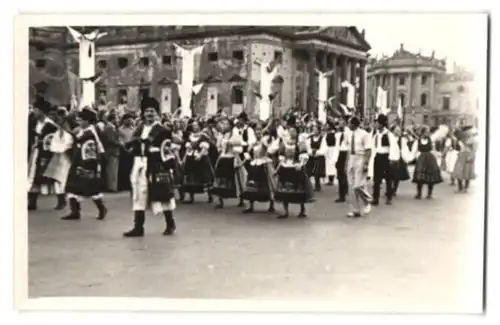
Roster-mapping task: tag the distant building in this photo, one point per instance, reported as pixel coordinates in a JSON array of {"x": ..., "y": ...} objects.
[
  {"x": 458, "y": 100},
  {"x": 140, "y": 61},
  {"x": 410, "y": 78}
]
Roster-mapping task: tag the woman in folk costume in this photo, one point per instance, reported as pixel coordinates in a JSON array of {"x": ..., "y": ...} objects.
[
  {"x": 400, "y": 169},
  {"x": 230, "y": 174},
  {"x": 260, "y": 185},
  {"x": 41, "y": 155},
  {"x": 59, "y": 166},
  {"x": 197, "y": 168},
  {"x": 316, "y": 164},
  {"x": 293, "y": 184},
  {"x": 464, "y": 169},
  {"x": 85, "y": 176},
  {"x": 426, "y": 167},
  {"x": 153, "y": 173},
  {"x": 450, "y": 155},
  {"x": 332, "y": 151}
]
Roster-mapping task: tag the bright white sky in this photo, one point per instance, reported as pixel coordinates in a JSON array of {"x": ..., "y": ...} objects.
[{"x": 458, "y": 37}]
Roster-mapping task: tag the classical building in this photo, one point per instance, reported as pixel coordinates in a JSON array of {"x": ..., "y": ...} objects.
[
  {"x": 140, "y": 61},
  {"x": 458, "y": 101},
  {"x": 409, "y": 78}
]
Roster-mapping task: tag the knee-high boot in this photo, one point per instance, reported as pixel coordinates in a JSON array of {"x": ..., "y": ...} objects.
[
  {"x": 75, "y": 208},
  {"x": 138, "y": 230},
  {"x": 169, "y": 223}
]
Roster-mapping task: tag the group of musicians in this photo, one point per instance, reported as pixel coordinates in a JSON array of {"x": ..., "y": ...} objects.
[{"x": 226, "y": 158}]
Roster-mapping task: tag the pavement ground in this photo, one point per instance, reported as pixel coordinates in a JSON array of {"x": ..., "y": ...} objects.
[{"x": 414, "y": 254}]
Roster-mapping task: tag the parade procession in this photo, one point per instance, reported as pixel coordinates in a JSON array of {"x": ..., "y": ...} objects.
[{"x": 236, "y": 159}]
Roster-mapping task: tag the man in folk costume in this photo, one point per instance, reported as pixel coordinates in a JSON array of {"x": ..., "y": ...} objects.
[
  {"x": 260, "y": 184},
  {"x": 385, "y": 153},
  {"x": 59, "y": 166},
  {"x": 359, "y": 143},
  {"x": 342, "y": 135},
  {"x": 153, "y": 173},
  {"x": 316, "y": 164},
  {"x": 41, "y": 155},
  {"x": 293, "y": 184},
  {"x": 331, "y": 151},
  {"x": 400, "y": 172},
  {"x": 85, "y": 176}
]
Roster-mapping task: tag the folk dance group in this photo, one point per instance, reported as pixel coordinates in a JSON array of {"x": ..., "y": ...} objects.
[{"x": 232, "y": 159}]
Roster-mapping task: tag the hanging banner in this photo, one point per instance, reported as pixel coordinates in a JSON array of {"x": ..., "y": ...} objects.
[
  {"x": 267, "y": 73},
  {"x": 86, "y": 63},
  {"x": 323, "y": 94},
  {"x": 185, "y": 85}
]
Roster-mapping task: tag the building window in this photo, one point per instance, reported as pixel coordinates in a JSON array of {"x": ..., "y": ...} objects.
[
  {"x": 446, "y": 103},
  {"x": 122, "y": 63},
  {"x": 426, "y": 119},
  {"x": 144, "y": 93},
  {"x": 144, "y": 61},
  {"x": 423, "y": 99},
  {"x": 102, "y": 64},
  {"x": 40, "y": 64},
  {"x": 278, "y": 55},
  {"x": 402, "y": 99},
  {"x": 424, "y": 79},
  {"x": 213, "y": 56},
  {"x": 238, "y": 55},
  {"x": 122, "y": 96},
  {"x": 237, "y": 95},
  {"x": 167, "y": 59},
  {"x": 402, "y": 80}
]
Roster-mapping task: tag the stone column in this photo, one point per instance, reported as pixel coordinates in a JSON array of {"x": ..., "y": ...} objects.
[
  {"x": 313, "y": 87},
  {"x": 333, "y": 65},
  {"x": 432, "y": 83},
  {"x": 392, "y": 92},
  {"x": 362, "y": 87},
  {"x": 343, "y": 77},
  {"x": 410, "y": 90}
]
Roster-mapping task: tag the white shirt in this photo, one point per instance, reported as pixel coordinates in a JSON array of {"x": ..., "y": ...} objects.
[
  {"x": 322, "y": 147},
  {"x": 342, "y": 146},
  {"x": 392, "y": 149},
  {"x": 362, "y": 141},
  {"x": 252, "y": 139}
]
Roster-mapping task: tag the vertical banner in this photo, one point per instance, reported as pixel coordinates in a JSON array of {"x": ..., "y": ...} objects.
[
  {"x": 267, "y": 73},
  {"x": 86, "y": 63},
  {"x": 323, "y": 94},
  {"x": 185, "y": 85}
]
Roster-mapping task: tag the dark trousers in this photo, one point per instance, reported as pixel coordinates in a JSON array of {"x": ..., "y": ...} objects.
[
  {"x": 381, "y": 171},
  {"x": 341, "y": 174}
]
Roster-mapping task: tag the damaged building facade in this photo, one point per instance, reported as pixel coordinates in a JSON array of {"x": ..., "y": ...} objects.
[{"x": 141, "y": 61}]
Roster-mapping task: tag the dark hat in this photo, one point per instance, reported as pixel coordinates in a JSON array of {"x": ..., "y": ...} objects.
[
  {"x": 467, "y": 128},
  {"x": 150, "y": 102},
  {"x": 43, "y": 105},
  {"x": 127, "y": 115},
  {"x": 88, "y": 114},
  {"x": 41, "y": 87},
  {"x": 243, "y": 117},
  {"x": 354, "y": 121},
  {"x": 382, "y": 119},
  {"x": 292, "y": 121}
]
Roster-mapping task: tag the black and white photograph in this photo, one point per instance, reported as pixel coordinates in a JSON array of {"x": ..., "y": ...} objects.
[{"x": 289, "y": 163}]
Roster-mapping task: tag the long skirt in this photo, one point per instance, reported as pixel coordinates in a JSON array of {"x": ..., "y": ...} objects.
[
  {"x": 198, "y": 175},
  {"x": 464, "y": 168},
  {"x": 316, "y": 166},
  {"x": 229, "y": 179},
  {"x": 449, "y": 161},
  {"x": 293, "y": 186},
  {"x": 332, "y": 154},
  {"x": 427, "y": 170},
  {"x": 399, "y": 171},
  {"x": 260, "y": 185}
]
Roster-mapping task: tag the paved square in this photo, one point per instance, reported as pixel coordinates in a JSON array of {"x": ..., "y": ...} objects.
[{"x": 413, "y": 253}]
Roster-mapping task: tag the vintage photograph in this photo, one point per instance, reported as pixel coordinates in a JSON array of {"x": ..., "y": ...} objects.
[{"x": 339, "y": 163}]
